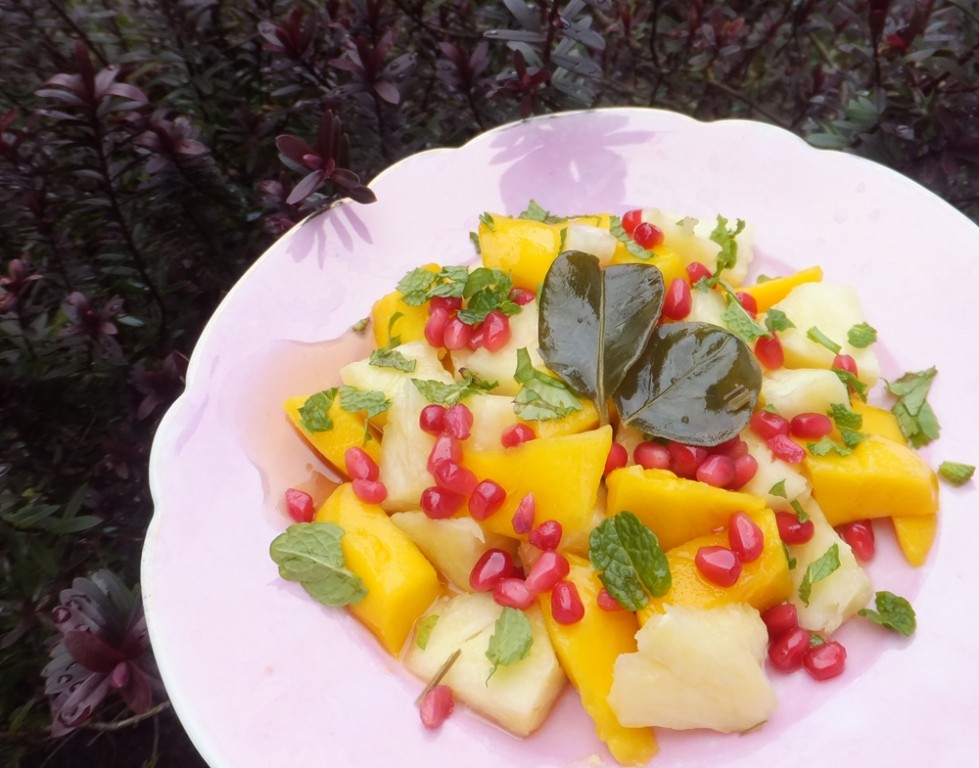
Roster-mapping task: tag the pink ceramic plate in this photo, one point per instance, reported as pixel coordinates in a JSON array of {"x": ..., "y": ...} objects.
[{"x": 263, "y": 676}]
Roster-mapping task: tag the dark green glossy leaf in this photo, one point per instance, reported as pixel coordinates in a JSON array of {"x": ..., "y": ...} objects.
[
  {"x": 695, "y": 382},
  {"x": 595, "y": 323}
]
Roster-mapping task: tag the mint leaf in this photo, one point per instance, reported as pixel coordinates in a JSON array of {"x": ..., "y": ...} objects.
[
  {"x": 487, "y": 219},
  {"x": 423, "y": 632},
  {"x": 827, "y": 444},
  {"x": 310, "y": 553},
  {"x": 851, "y": 438},
  {"x": 542, "y": 396},
  {"x": 861, "y": 335},
  {"x": 955, "y": 473},
  {"x": 740, "y": 323},
  {"x": 841, "y": 414},
  {"x": 450, "y": 394},
  {"x": 414, "y": 286},
  {"x": 725, "y": 238},
  {"x": 788, "y": 556},
  {"x": 852, "y": 383},
  {"x": 315, "y": 412},
  {"x": 392, "y": 358},
  {"x": 511, "y": 639},
  {"x": 777, "y": 320},
  {"x": 893, "y": 612},
  {"x": 778, "y": 490},
  {"x": 474, "y": 239},
  {"x": 616, "y": 230},
  {"x": 818, "y": 570},
  {"x": 361, "y": 326},
  {"x": 822, "y": 339},
  {"x": 486, "y": 290},
  {"x": 394, "y": 341},
  {"x": 918, "y": 421},
  {"x": 800, "y": 514},
  {"x": 535, "y": 212},
  {"x": 630, "y": 560},
  {"x": 354, "y": 400}
]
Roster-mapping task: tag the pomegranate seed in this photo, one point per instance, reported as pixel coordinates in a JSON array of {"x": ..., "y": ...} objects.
[
  {"x": 487, "y": 497},
  {"x": 547, "y": 570},
  {"x": 647, "y": 235},
  {"x": 649, "y": 455},
  {"x": 566, "y": 605},
  {"x": 606, "y": 602},
  {"x": 435, "y": 327},
  {"x": 617, "y": 458},
  {"x": 631, "y": 220},
  {"x": 787, "y": 652},
  {"x": 523, "y": 517},
  {"x": 359, "y": 464},
  {"x": 747, "y": 301},
  {"x": 846, "y": 363},
  {"x": 456, "y": 334},
  {"x": 686, "y": 458},
  {"x": 436, "y": 706},
  {"x": 496, "y": 327},
  {"x": 825, "y": 661},
  {"x": 719, "y": 565},
  {"x": 455, "y": 478},
  {"x": 677, "y": 303},
  {"x": 697, "y": 271},
  {"x": 791, "y": 531},
  {"x": 769, "y": 352},
  {"x": 445, "y": 449},
  {"x": 547, "y": 535},
  {"x": 493, "y": 566},
  {"x": 766, "y": 424},
  {"x": 458, "y": 421},
  {"x": 449, "y": 303},
  {"x": 780, "y": 619},
  {"x": 732, "y": 448},
  {"x": 860, "y": 536},
  {"x": 717, "y": 471},
  {"x": 432, "y": 419},
  {"x": 745, "y": 468},
  {"x": 522, "y": 296},
  {"x": 299, "y": 505},
  {"x": 745, "y": 537},
  {"x": 786, "y": 449},
  {"x": 370, "y": 491},
  {"x": 516, "y": 434},
  {"x": 439, "y": 504},
  {"x": 512, "y": 592},
  {"x": 478, "y": 337},
  {"x": 811, "y": 425}
]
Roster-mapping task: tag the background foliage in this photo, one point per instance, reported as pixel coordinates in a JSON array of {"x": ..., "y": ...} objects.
[{"x": 140, "y": 175}]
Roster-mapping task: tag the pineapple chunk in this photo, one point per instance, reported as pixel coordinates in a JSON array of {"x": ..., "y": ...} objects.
[
  {"x": 363, "y": 375},
  {"x": 803, "y": 390},
  {"x": 696, "y": 668},
  {"x": 500, "y": 366},
  {"x": 588, "y": 238},
  {"x": 493, "y": 414},
  {"x": 690, "y": 238},
  {"x": 771, "y": 471},
  {"x": 706, "y": 307},
  {"x": 517, "y": 696},
  {"x": 404, "y": 450}
]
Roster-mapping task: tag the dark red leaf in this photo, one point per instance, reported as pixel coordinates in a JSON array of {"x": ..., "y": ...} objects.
[
  {"x": 137, "y": 692},
  {"x": 293, "y": 147},
  {"x": 305, "y": 188}
]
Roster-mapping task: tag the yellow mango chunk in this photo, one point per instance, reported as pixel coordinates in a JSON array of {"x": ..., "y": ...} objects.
[
  {"x": 674, "y": 508},
  {"x": 400, "y": 581},
  {"x": 667, "y": 261},
  {"x": 521, "y": 248},
  {"x": 880, "y": 478},
  {"x": 391, "y": 317},
  {"x": 332, "y": 444},
  {"x": 763, "y": 582},
  {"x": 771, "y": 292},
  {"x": 563, "y": 473},
  {"x": 579, "y": 421},
  {"x": 915, "y": 536},
  {"x": 878, "y": 421},
  {"x": 587, "y": 651}
]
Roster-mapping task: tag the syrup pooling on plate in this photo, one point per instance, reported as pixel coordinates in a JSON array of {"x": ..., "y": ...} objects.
[{"x": 623, "y": 504}]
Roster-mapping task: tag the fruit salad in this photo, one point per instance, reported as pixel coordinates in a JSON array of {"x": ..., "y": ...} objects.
[{"x": 603, "y": 456}]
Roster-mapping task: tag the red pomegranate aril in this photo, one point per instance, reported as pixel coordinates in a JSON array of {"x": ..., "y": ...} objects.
[
  {"x": 732, "y": 448},
  {"x": 860, "y": 536},
  {"x": 458, "y": 422},
  {"x": 648, "y": 235},
  {"x": 787, "y": 652},
  {"x": 456, "y": 334},
  {"x": 496, "y": 328},
  {"x": 791, "y": 531},
  {"x": 487, "y": 497},
  {"x": 522, "y": 296},
  {"x": 359, "y": 464},
  {"x": 455, "y": 478},
  {"x": 436, "y": 707},
  {"x": 566, "y": 605},
  {"x": 547, "y": 535},
  {"x": 547, "y": 570},
  {"x": 608, "y": 603},
  {"x": 449, "y": 303},
  {"x": 745, "y": 537},
  {"x": 370, "y": 491},
  {"x": 435, "y": 327},
  {"x": 438, "y": 504},
  {"x": 825, "y": 661},
  {"x": 432, "y": 419},
  {"x": 650, "y": 455},
  {"x": 477, "y": 338},
  {"x": 493, "y": 566},
  {"x": 786, "y": 449},
  {"x": 747, "y": 301},
  {"x": 513, "y": 593},
  {"x": 768, "y": 350},
  {"x": 445, "y": 449},
  {"x": 516, "y": 434},
  {"x": 617, "y": 458},
  {"x": 719, "y": 565},
  {"x": 697, "y": 270},
  {"x": 631, "y": 220},
  {"x": 686, "y": 458},
  {"x": 678, "y": 301},
  {"x": 846, "y": 363},
  {"x": 811, "y": 426},
  {"x": 717, "y": 471},
  {"x": 745, "y": 468},
  {"x": 766, "y": 424},
  {"x": 299, "y": 505},
  {"x": 523, "y": 517},
  {"x": 780, "y": 619}
]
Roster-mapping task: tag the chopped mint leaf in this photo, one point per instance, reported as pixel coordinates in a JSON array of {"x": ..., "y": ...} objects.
[
  {"x": 630, "y": 560},
  {"x": 615, "y": 228},
  {"x": 725, "y": 238},
  {"x": 361, "y": 326},
  {"x": 740, "y": 323},
  {"x": 486, "y": 290},
  {"x": 511, "y": 640},
  {"x": 852, "y": 383},
  {"x": 918, "y": 421},
  {"x": 474, "y": 238},
  {"x": 354, "y": 400},
  {"x": 851, "y": 437},
  {"x": 415, "y": 286},
  {"x": 893, "y": 612},
  {"x": 542, "y": 396},
  {"x": 535, "y": 212},
  {"x": 450, "y": 394},
  {"x": 778, "y": 490},
  {"x": 841, "y": 414},
  {"x": 955, "y": 473},
  {"x": 423, "y": 632},
  {"x": 822, "y": 339},
  {"x": 392, "y": 358},
  {"x": 777, "y": 320},
  {"x": 827, "y": 444},
  {"x": 818, "y": 570},
  {"x": 788, "y": 556},
  {"x": 861, "y": 335},
  {"x": 310, "y": 554},
  {"x": 394, "y": 341},
  {"x": 315, "y": 412},
  {"x": 487, "y": 221},
  {"x": 816, "y": 640},
  {"x": 800, "y": 514}
]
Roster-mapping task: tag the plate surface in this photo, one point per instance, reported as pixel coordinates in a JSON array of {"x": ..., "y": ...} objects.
[{"x": 261, "y": 675}]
